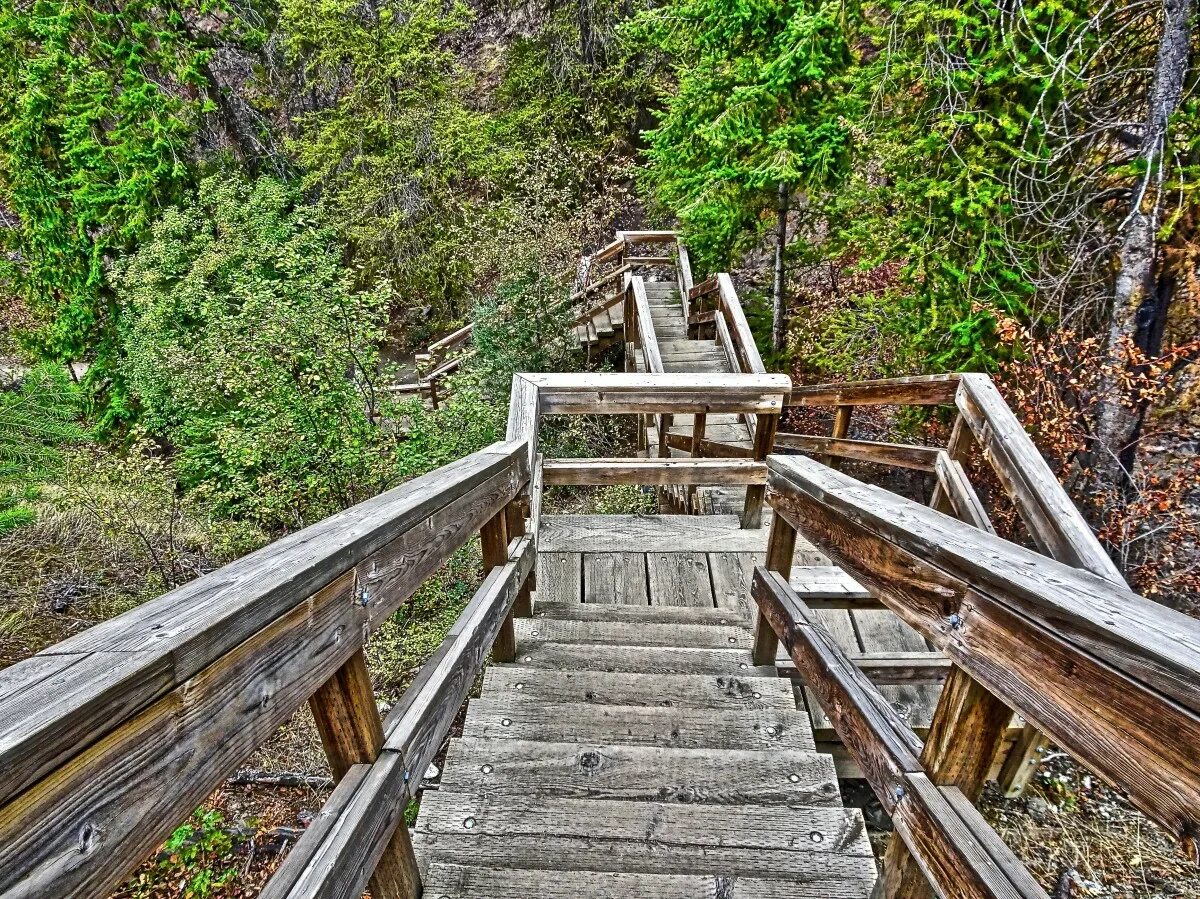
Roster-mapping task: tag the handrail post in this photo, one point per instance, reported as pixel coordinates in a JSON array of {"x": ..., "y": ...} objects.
[
  {"x": 965, "y": 734},
  {"x": 494, "y": 538},
  {"x": 781, "y": 547},
  {"x": 352, "y": 733},
  {"x": 957, "y": 448},
  {"x": 764, "y": 440},
  {"x": 699, "y": 423},
  {"x": 515, "y": 525},
  {"x": 841, "y": 427}
]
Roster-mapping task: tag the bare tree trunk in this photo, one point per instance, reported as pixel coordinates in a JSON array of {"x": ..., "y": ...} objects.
[
  {"x": 1140, "y": 301},
  {"x": 778, "y": 295}
]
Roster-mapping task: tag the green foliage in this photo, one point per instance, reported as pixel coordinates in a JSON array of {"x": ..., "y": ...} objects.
[
  {"x": 36, "y": 422},
  {"x": 758, "y": 103},
  {"x": 194, "y": 857},
  {"x": 97, "y": 115},
  {"x": 251, "y": 355}
]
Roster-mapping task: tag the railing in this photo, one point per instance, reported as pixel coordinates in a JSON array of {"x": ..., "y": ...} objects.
[
  {"x": 762, "y": 396},
  {"x": 111, "y": 738},
  {"x": 445, "y": 356},
  {"x": 1052, "y": 520},
  {"x": 1111, "y": 677}
]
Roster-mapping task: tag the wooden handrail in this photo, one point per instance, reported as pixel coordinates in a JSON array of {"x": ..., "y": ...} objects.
[
  {"x": 651, "y": 355},
  {"x": 919, "y": 390},
  {"x": 111, "y": 738},
  {"x": 656, "y": 472},
  {"x": 901, "y": 455},
  {"x": 961, "y": 854},
  {"x": 1113, "y": 678},
  {"x": 336, "y": 855},
  {"x": 744, "y": 347}
]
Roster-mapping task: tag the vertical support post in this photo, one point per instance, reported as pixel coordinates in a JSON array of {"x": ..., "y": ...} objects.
[
  {"x": 959, "y": 448},
  {"x": 515, "y": 524},
  {"x": 494, "y": 537},
  {"x": 352, "y": 733},
  {"x": 764, "y": 440},
  {"x": 433, "y": 396},
  {"x": 699, "y": 423},
  {"x": 1022, "y": 761},
  {"x": 781, "y": 547},
  {"x": 841, "y": 427},
  {"x": 966, "y": 733}
]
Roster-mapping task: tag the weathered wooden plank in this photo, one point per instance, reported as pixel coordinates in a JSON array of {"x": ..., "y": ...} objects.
[
  {"x": 497, "y": 768},
  {"x": 460, "y": 882},
  {"x": 739, "y": 449},
  {"x": 336, "y": 861},
  {"x": 961, "y": 497},
  {"x": 1053, "y": 521},
  {"x": 347, "y": 717},
  {"x": 902, "y": 455},
  {"x": 615, "y": 579},
  {"x": 919, "y": 390},
  {"x": 124, "y": 664},
  {"x": 739, "y": 328},
  {"x": 1102, "y": 670},
  {"x": 559, "y": 577},
  {"x": 621, "y": 688},
  {"x": 637, "y": 614},
  {"x": 883, "y": 668},
  {"x": 679, "y": 579},
  {"x": 654, "y": 471},
  {"x": 417, "y": 732},
  {"x": 652, "y": 837},
  {"x": 636, "y": 725},
  {"x": 682, "y": 393},
  {"x": 647, "y": 534},
  {"x": 884, "y": 748},
  {"x": 731, "y": 577},
  {"x": 530, "y": 632},
  {"x": 82, "y": 828},
  {"x": 524, "y": 415},
  {"x": 642, "y": 659}
]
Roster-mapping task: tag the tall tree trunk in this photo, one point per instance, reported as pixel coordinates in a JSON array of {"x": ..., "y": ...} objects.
[
  {"x": 1139, "y": 304},
  {"x": 778, "y": 294}
]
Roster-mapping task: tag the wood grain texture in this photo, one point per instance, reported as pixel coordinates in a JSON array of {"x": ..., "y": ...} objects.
[
  {"x": 641, "y": 773},
  {"x": 559, "y": 577},
  {"x": 531, "y": 632},
  {"x": 679, "y": 579},
  {"x": 1053, "y": 521},
  {"x": 919, "y": 390},
  {"x": 639, "y": 614},
  {"x": 622, "y": 688},
  {"x": 613, "y": 393},
  {"x": 654, "y": 471},
  {"x": 462, "y": 881},
  {"x": 82, "y": 828},
  {"x": 637, "y": 725},
  {"x": 641, "y": 659},
  {"x": 649, "y": 837},
  {"x": 1102, "y": 670},
  {"x": 347, "y": 717},
  {"x": 105, "y": 675},
  {"x": 615, "y": 579},
  {"x": 901, "y": 455}
]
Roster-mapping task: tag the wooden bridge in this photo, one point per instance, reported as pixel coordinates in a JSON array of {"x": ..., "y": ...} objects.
[{"x": 667, "y": 693}]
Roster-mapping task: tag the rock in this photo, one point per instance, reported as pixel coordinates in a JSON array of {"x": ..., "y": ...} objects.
[{"x": 1039, "y": 809}]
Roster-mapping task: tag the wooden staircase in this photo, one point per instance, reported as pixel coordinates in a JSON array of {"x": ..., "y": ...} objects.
[
  {"x": 633, "y": 748},
  {"x": 655, "y": 717}
]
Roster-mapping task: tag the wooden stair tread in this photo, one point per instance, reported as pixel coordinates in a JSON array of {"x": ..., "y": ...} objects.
[
  {"x": 703, "y": 691},
  {"x": 589, "y": 611},
  {"x": 642, "y": 659},
  {"x": 641, "y": 773},
  {"x": 620, "y": 633},
  {"x": 451, "y": 881},
  {"x": 648, "y": 533},
  {"x": 499, "y": 716},
  {"x": 554, "y": 835}
]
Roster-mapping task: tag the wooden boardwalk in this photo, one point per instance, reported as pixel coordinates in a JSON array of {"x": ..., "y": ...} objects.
[{"x": 633, "y": 748}]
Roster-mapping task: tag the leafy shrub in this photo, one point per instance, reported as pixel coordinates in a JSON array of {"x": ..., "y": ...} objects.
[
  {"x": 35, "y": 421},
  {"x": 253, "y": 358}
]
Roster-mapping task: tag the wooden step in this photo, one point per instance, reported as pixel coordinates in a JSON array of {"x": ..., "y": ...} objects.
[
  {"x": 641, "y": 659},
  {"x": 695, "y": 691},
  {"x": 589, "y": 611},
  {"x": 448, "y": 881},
  {"x": 809, "y": 845},
  {"x": 604, "y": 326},
  {"x": 640, "y": 773},
  {"x": 531, "y": 633},
  {"x": 648, "y": 533},
  {"x": 500, "y": 717}
]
